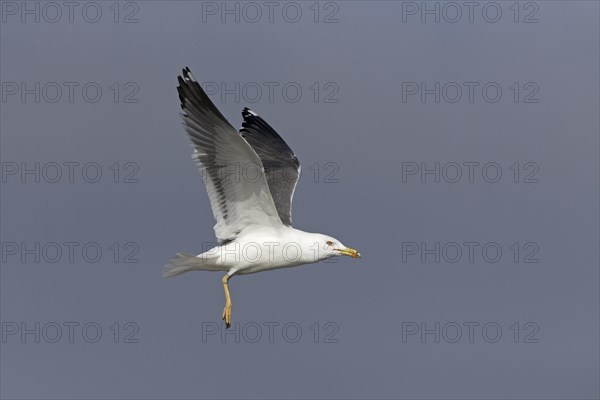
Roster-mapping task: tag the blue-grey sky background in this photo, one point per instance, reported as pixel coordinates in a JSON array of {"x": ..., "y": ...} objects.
[{"x": 365, "y": 58}]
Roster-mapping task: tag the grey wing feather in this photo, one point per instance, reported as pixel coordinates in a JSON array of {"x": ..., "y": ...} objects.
[
  {"x": 282, "y": 168},
  {"x": 220, "y": 152}
]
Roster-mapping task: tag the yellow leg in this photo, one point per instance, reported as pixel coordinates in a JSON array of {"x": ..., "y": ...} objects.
[{"x": 227, "y": 310}]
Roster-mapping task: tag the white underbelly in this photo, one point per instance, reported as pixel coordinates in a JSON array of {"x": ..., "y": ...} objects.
[{"x": 247, "y": 256}]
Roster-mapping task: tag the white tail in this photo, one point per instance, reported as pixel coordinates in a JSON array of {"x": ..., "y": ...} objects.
[{"x": 184, "y": 262}]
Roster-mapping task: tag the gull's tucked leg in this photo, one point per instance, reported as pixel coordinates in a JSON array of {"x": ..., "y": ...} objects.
[{"x": 227, "y": 310}]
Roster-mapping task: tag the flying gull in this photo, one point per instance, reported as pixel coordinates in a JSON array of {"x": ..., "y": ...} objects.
[{"x": 250, "y": 177}]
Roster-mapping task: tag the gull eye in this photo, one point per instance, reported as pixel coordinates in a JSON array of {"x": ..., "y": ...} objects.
[{"x": 329, "y": 243}]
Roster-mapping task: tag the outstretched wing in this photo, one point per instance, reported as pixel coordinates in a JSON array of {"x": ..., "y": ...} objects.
[
  {"x": 282, "y": 167},
  {"x": 232, "y": 171}
]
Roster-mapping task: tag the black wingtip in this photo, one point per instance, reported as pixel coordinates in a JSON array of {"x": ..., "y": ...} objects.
[
  {"x": 246, "y": 112},
  {"x": 187, "y": 75}
]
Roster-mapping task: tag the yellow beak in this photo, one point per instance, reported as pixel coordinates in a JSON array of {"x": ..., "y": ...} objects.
[{"x": 349, "y": 252}]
